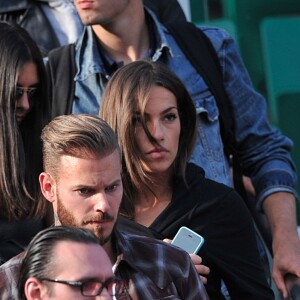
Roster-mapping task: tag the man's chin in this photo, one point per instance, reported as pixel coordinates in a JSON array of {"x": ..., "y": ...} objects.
[
  {"x": 101, "y": 234},
  {"x": 103, "y": 239}
]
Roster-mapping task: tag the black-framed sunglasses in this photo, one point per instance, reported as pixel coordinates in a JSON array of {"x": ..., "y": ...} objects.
[
  {"x": 31, "y": 92},
  {"x": 94, "y": 287}
]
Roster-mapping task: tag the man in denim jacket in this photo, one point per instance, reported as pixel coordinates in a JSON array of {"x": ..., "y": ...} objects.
[{"x": 121, "y": 31}]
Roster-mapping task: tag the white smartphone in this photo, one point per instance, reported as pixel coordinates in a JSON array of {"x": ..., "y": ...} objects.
[{"x": 188, "y": 240}]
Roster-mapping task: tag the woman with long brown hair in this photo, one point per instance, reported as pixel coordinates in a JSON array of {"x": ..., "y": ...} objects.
[{"x": 155, "y": 121}]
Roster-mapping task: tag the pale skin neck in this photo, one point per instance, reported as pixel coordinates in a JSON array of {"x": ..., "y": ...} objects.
[
  {"x": 127, "y": 39},
  {"x": 56, "y": 220},
  {"x": 150, "y": 205}
]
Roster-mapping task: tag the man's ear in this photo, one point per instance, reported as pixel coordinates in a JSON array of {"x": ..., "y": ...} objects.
[
  {"x": 48, "y": 186},
  {"x": 34, "y": 289}
]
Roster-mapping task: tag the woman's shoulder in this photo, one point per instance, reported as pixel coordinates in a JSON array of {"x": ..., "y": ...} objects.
[
  {"x": 199, "y": 190},
  {"x": 201, "y": 193},
  {"x": 195, "y": 177}
]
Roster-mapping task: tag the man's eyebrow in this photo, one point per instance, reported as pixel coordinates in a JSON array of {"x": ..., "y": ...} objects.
[
  {"x": 86, "y": 185},
  {"x": 119, "y": 180},
  {"x": 93, "y": 278},
  {"x": 83, "y": 186}
]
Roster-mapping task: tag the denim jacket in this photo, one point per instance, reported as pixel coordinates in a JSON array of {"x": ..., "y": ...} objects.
[{"x": 264, "y": 152}]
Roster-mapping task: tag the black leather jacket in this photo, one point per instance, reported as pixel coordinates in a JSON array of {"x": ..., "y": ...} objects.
[{"x": 30, "y": 15}]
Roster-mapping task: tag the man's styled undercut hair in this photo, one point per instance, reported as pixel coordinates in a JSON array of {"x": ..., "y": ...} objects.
[{"x": 76, "y": 135}]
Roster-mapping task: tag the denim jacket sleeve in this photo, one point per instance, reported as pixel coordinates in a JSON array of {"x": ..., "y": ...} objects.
[{"x": 264, "y": 152}]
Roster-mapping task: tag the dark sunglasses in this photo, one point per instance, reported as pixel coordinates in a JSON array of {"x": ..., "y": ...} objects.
[{"x": 31, "y": 92}]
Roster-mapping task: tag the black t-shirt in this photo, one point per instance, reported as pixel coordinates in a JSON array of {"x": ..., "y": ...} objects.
[{"x": 15, "y": 236}]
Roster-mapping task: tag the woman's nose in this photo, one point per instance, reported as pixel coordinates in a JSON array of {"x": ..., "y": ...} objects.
[{"x": 157, "y": 131}]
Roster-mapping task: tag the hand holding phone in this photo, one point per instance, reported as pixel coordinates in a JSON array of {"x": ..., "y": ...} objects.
[{"x": 188, "y": 240}]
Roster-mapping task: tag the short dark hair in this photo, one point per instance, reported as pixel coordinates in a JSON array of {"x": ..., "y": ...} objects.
[{"x": 39, "y": 261}]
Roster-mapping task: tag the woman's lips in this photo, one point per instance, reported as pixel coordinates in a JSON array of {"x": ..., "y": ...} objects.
[{"x": 157, "y": 153}]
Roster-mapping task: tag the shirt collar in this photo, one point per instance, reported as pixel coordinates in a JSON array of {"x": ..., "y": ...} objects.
[
  {"x": 89, "y": 61},
  {"x": 129, "y": 251},
  {"x": 111, "y": 65},
  {"x": 160, "y": 34},
  {"x": 87, "y": 58}
]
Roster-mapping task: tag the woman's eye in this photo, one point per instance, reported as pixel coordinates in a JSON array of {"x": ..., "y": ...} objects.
[{"x": 171, "y": 117}]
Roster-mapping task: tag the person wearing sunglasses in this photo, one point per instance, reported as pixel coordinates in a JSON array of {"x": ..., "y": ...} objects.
[
  {"x": 68, "y": 263},
  {"x": 24, "y": 97},
  {"x": 23, "y": 114}
]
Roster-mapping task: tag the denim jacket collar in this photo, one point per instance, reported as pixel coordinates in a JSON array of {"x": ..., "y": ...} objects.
[
  {"x": 89, "y": 61},
  {"x": 161, "y": 40}
]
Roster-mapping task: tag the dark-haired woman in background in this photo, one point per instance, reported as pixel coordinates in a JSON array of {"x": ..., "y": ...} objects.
[{"x": 23, "y": 113}]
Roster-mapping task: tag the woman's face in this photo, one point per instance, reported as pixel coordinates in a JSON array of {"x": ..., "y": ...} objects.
[
  {"x": 162, "y": 118},
  {"x": 26, "y": 89}
]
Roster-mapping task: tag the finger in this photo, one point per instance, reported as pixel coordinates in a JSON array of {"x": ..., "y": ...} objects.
[
  {"x": 202, "y": 270},
  {"x": 203, "y": 279},
  {"x": 196, "y": 259},
  {"x": 278, "y": 278}
]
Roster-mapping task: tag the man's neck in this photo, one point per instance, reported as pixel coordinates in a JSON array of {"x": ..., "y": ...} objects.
[
  {"x": 126, "y": 40},
  {"x": 56, "y": 220}
]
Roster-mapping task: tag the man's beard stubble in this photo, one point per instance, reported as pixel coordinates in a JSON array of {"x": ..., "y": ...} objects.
[{"x": 66, "y": 218}]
